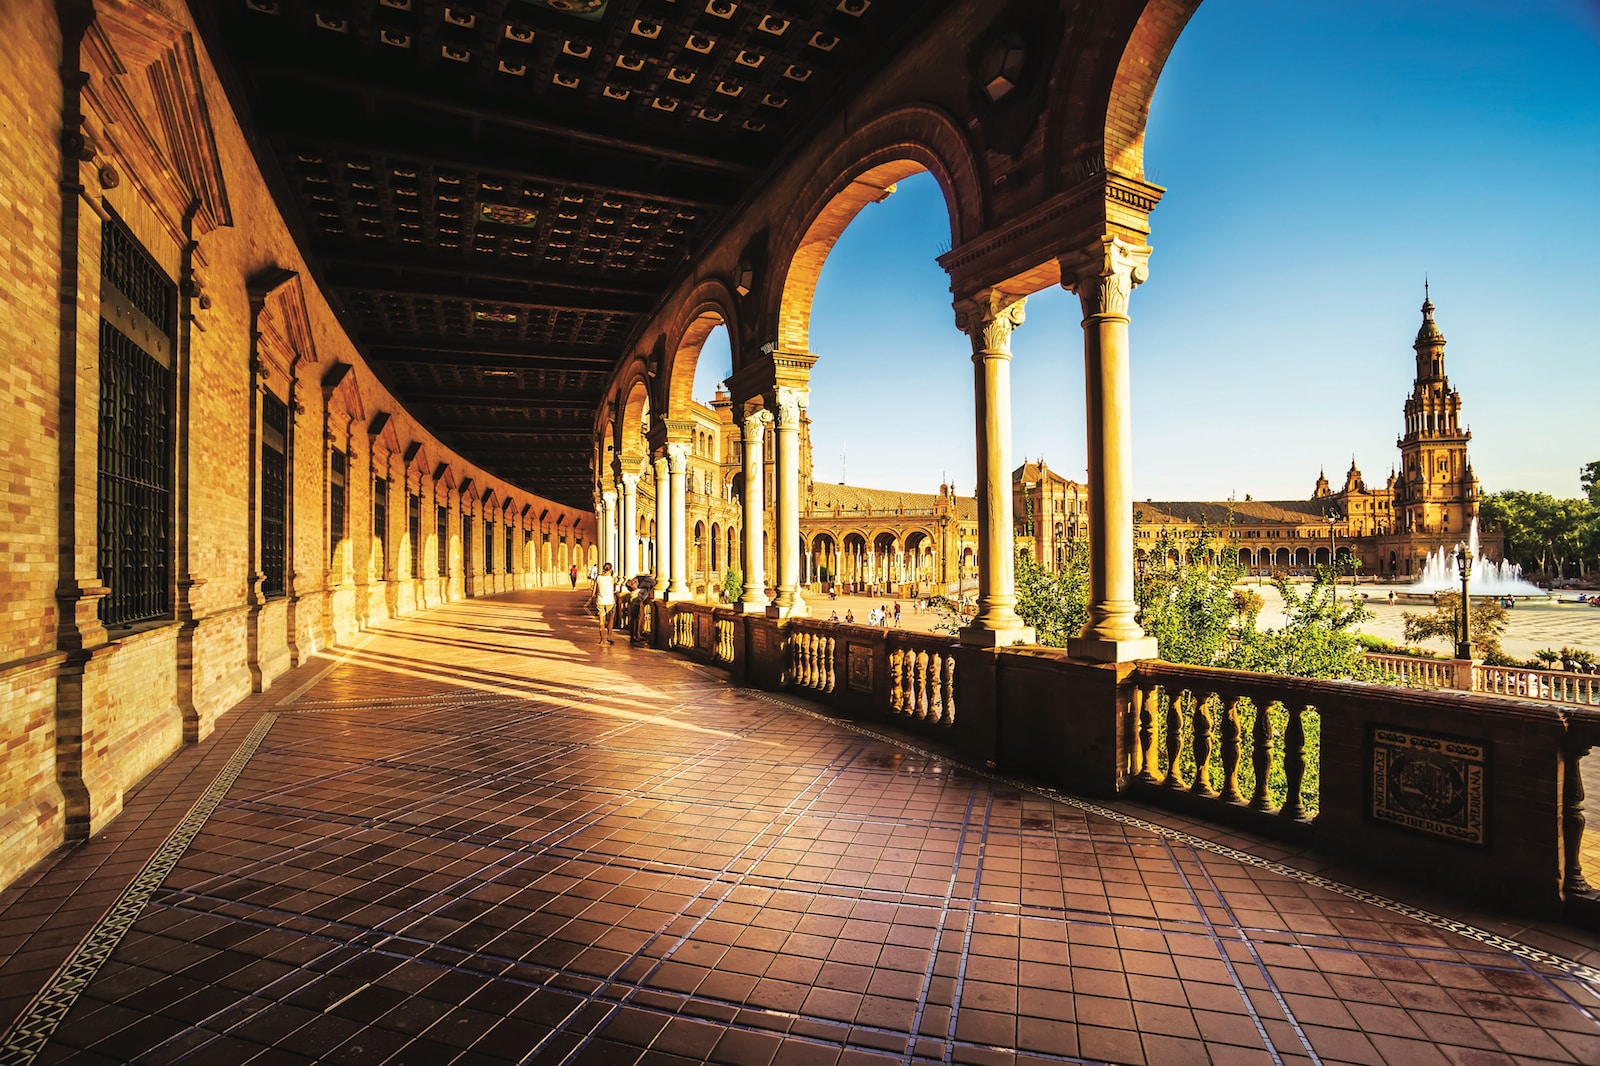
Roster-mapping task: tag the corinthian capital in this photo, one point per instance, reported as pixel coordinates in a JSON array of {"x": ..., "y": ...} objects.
[
  {"x": 630, "y": 483},
  {"x": 755, "y": 424},
  {"x": 989, "y": 320},
  {"x": 790, "y": 403},
  {"x": 1104, "y": 275},
  {"x": 677, "y": 457}
]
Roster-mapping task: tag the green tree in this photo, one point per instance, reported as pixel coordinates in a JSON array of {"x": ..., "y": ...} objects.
[
  {"x": 1589, "y": 478},
  {"x": 1055, "y": 604},
  {"x": 1489, "y": 620},
  {"x": 732, "y": 585},
  {"x": 1185, "y": 595},
  {"x": 1318, "y": 638}
]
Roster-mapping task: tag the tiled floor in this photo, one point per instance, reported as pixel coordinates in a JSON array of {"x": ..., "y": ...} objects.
[{"x": 480, "y": 836}]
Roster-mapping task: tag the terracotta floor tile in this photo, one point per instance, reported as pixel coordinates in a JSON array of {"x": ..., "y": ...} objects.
[{"x": 478, "y": 835}]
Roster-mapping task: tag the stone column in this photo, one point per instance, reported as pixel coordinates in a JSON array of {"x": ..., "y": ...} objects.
[
  {"x": 630, "y": 525},
  {"x": 1104, "y": 279},
  {"x": 677, "y": 467},
  {"x": 608, "y": 528},
  {"x": 754, "y": 599},
  {"x": 791, "y": 403},
  {"x": 663, "y": 570},
  {"x": 989, "y": 321}
]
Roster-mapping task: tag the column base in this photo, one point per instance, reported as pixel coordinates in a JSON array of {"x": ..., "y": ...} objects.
[
  {"x": 677, "y": 595},
  {"x": 984, "y": 637},
  {"x": 752, "y": 606},
  {"x": 1101, "y": 650},
  {"x": 797, "y": 609}
]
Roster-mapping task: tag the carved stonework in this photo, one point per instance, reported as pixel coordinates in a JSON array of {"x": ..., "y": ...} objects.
[
  {"x": 630, "y": 484},
  {"x": 790, "y": 403},
  {"x": 755, "y": 425},
  {"x": 1107, "y": 275},
  {"x": 677, "y": 457},
  {"x": 990, "y": 320}
]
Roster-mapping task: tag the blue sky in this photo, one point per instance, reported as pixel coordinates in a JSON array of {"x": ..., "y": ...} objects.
[{"x": 1319, "y": 160}]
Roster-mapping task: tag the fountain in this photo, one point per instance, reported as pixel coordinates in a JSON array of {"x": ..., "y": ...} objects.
[{"x": 1489, "y": 577}]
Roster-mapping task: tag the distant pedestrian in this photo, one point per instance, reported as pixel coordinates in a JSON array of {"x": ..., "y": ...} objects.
[
  {"x": 573, "y": 574},
  {"x": 605, "y": 602},
  {"x": 897, "y": 614},
  {"x": 883, "y": 616}
]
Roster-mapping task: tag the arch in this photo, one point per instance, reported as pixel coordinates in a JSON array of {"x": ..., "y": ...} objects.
[
  {"x": 862, "y": 169},
  {"x": 709, "y": 304},
  {"x": 1322, "y": 557},
  {"x": 716, "y": 547},
  {"x": 699, "y": 547},
  {"x": 1282, "y": 558},
  {"x": 1302, "y": 557}
]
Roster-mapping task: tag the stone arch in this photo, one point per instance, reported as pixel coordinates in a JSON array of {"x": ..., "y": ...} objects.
[
  {"x": 862, "y": 169},
  {"x": 709, "y": 304},
  {"x": 1107, "y": 75}
]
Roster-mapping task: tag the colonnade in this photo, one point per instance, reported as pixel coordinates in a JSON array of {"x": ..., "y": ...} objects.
[{"x": 772, "y": 390}]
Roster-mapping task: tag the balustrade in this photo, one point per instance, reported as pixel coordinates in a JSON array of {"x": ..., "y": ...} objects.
[
  {"x": 811, "y": 658},
  {"x": 1554, "y": 686},
  {"x": 1414, "y": 671},
  {"x": 683, "y": 629},
  {"x": 725, "y": 632},
  {"x": 922, "y": 677},
  {"x": 1222, "y": 737}
]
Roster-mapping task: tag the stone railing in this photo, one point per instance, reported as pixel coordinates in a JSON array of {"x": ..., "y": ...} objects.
[
  {"x": 1415, "y": 671},
  {"x": 811, "y": 657},
  {"x": 922, "y": 677},
  {"x": 1236, "y": 738},
  {"x": 682, "y": 627},
  {"x": 726, "y": 629},
  {"x": 1555, "y": 686}
]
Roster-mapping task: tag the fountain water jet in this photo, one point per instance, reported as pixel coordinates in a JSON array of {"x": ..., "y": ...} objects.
[{"x": 1489, "y": 577}]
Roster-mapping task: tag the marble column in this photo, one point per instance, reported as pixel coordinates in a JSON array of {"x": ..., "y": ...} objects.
[
  {"x": 789, "y": 603},
  {"x": 1104, "y": 279},
  {"x": 663, "y": 542},
  {"x": 989, "y": 321},
  {"x": 629, "y": 532},
  {"x": 677, "y": 467},
  {"x": 754, "y": 599},
  {"x": 608, "y": 528}
]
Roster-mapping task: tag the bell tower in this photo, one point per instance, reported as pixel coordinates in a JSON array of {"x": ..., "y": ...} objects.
[{"x": 1436, "y": 492}]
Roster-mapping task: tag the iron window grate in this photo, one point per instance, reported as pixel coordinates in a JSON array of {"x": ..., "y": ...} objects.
[
  {"x": 414, "y": 529},
  {"x": 443, "y": 545},
  {"x": 338, "y": 463},
  {"x": 274, "y": 493},
  {"x": 380, "y": 522}
]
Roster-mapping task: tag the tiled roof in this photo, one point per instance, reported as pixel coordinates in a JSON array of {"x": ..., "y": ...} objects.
[
  {"x": 855, "y": 500},
  {"x": 1245, "y": 513}
]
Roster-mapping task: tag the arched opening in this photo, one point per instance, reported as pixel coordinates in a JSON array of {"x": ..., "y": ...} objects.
[
  {"x": 716, "y": 546},
  {"x": 853, "y": 561},
  {"x": 825, "y": 557},
  {"x": 1322, "y": 556}
]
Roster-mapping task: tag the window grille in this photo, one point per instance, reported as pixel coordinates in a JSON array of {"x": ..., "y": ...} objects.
[
  {"x": 414, "y": 527},
  {"x": 380, "y": 522},
  {"x": 338, "y": 463},
  {"x": 134, "y": 515},
  {"x": 488, "y": 546},
  {"x": 466, "y": 544},
  {"x": 442, "y": 536},
  {"x": 510, "y": 551},
  {"x": 274, "y": 493}
]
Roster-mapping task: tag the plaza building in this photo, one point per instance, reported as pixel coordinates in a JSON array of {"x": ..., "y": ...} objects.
[{"x": 1427, "y": 503}]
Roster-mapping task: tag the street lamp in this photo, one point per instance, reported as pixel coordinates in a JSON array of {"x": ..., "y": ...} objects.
[{"x": 1464, "y": 564}]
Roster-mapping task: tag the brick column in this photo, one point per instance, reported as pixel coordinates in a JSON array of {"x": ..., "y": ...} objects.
[
  {"x": 789, "y": 603},
  {"x": 663, "y": 571},
  {"x": 752, "y": 440},
  {"x": 677, "y": 467},
  {"x": 989, "y": 321},
  {"x": 1104, "y": 277}
]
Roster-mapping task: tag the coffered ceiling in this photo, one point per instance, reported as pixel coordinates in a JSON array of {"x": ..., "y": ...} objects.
[{"x": 495, "y": 193}]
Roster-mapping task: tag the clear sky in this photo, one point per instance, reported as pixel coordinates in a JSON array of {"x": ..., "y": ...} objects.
[{"x": 1319, "y": 160}]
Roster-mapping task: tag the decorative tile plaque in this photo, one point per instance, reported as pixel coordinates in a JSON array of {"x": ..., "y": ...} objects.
[
  {"x": 1430, "y": 783},
  {"x": 858, "y": 662}
]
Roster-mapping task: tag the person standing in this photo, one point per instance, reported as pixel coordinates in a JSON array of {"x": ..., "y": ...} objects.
[
  {"x": 897, "y": 614},
  {"x": 605, "y": 602},
  {"x": 572, "y": 572}
]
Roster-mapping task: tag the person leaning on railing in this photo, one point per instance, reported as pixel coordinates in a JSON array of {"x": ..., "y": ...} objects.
[{"x": 644, "y": 593}]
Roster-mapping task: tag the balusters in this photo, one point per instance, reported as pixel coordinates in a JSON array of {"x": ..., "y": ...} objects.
[
  {"x": 936, "y": 687},
  {"x": 1573, "y": 821},
  {"x": 922, "y": 685},
  {"x": 811, "y": 660},
  {"x": 1201, "y": 722},
  {"x": 1294, "y": 762},
  {"x": 1145, "y": 703},
  {"x": 949, "y": 690},
  {"x": 1261, "y": 757},
  {"x": 896, "y": 664},
  {"x": 1174, "y": 738},
  {"x": 1230, "y": 752},
  {"x": 831, "y": 648}
]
